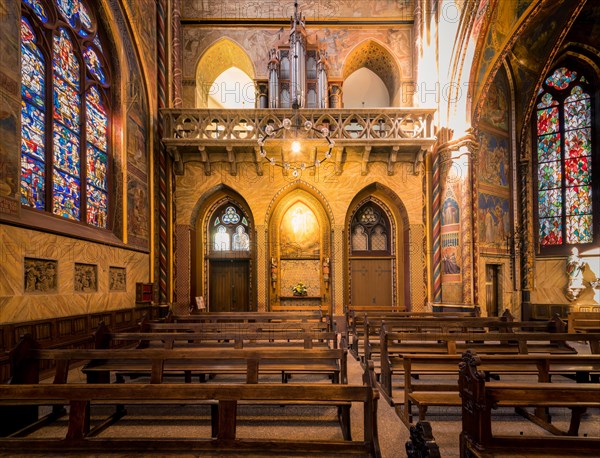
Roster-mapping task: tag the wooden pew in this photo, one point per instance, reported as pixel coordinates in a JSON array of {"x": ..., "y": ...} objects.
[
  {"x": 82, "y": 398},
  {"x": 251, "y": 317},
  {"x": 157, "y": 363},
  {"x": 584, "y": 321},
  {"x": 431, "y": 380},
  {"x": 170, "y": 335},
  {"x": 356, "y": 317},
  {"x": 453, "y": 325},
  {"x": 480, "y": 397},
  {"x": 422, "y": 443}
]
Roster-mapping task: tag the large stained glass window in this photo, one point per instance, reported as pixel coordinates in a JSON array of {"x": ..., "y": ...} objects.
[
  {"x": 65, "y": 112},
  {"x": 229, "y": 230},
  {"x": 564, "y": 159}
]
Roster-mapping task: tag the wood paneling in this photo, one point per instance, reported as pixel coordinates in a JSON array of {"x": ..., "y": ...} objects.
[{"x": 372, "y": 282}]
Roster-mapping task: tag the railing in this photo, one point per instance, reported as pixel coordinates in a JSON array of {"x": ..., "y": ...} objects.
[{"x": 381, "y": 126}]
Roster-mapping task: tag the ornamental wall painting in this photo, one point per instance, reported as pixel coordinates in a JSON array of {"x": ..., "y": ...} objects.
[
  {"x": 299, "y": 233},
  {"x": 137, "y": 211},
  {"x": 494, "y": 220},
  {"x": 450, "y": 212},
  {"x": 494, "y": 168},
  {"x": 495, "y": 106},
  {"x": 8, "y": 144}
]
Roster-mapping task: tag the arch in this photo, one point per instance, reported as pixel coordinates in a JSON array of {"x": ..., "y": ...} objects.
[
  {"x": 388, "y": 201},
  {"x": 210, "y": 202},
  {"x": 219, "y": 57},
  {"x": 364, "y": 89},
  {"x": 293, "y": 260},
  {"x": 380, "y": 60}
]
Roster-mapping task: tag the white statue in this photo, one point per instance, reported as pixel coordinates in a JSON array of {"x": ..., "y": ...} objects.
[{"x": 575, "y": 268}]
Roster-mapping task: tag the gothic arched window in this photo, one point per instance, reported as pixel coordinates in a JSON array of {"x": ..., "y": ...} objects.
[
  {"x": 564, "y": 130},
  {"x": 370, "y": 231},
  {"x": 65, "y": 115},
  {"x": 229, "y": 230}
]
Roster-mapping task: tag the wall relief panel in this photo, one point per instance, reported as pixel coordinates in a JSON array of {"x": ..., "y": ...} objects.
[
  {"x": 117, "y": 279},
  {"x": 86, "y": 278},
  {"x": 41, "y": 276}
]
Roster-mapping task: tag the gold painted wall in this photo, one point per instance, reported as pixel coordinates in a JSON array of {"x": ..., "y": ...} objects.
[
  {"x": 337, "y": 191},
  {"x": 16, "y": 305}
]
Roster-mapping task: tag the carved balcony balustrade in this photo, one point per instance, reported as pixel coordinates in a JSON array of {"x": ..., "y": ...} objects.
[{"x": 387, "y": 135}]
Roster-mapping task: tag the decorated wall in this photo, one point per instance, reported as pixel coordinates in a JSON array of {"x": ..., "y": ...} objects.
[
  {"x": 494, "y": 199},
  {"x": 93, "y": 269}
]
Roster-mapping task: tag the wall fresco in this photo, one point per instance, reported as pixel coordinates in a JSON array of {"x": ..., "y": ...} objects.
[
  {"x": 494, "y": 220},
  {"x": 312, "y": 9},
  {"x": 338, "y": 42},
  {"x": 138, "y": 223},
  {"x": 494, "y": 168}
]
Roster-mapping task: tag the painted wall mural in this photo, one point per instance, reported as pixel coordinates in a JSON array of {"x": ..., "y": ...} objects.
[
  {"x": 138, "y": 222},
  {"x": 494, "y": 169},
  {"x": 312, "y": 9},
  {"x": 338, "y": 42},
  {"x": 299, "y": 233},
  {"x": 495, "y": 107},
  {"x": 494, "y": 220}
]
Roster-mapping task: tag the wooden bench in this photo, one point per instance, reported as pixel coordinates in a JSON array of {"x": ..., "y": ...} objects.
[
  {"x": 82, "y": 398},
  {"x": 480, "y": 397},
  {"x": 357, "y": 316},
  {"x": 422, "y": 443},
  {"x": 453, "y": 325},
  {"x": 432, "y": 380},
  {"x": 251, "y": 317},
  {"x": 172, "y": 335},
  {"x": 584, "y": 321},
  {"x": 103, "y": 364}
]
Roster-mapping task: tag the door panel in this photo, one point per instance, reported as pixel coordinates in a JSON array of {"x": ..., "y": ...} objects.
[
  {"x": 492, "y": 290},
  {"x": 371, "y": 282},
  {"x": 229, "y": 286}
]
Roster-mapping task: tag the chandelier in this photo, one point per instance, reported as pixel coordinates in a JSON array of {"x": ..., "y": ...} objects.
[{"x": 294, "y": 125}]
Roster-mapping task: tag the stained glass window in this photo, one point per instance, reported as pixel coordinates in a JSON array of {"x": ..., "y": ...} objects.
[
  {"x": 65, "y": 90},
  {"x": 564, "y": 159},
  {"x": 370, "y": 231},
  {"x": 229, "y": 229}
]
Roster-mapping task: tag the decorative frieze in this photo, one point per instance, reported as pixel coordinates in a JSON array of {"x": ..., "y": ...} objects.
[
  {"x": 117, "y": 279},
  {"x": 41, "y": 276},
  {"x": 86, "y": 278}
]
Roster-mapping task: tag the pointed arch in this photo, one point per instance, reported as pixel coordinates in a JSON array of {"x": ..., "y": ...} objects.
[
  {"x": 380, "y": 60},
  {"x": 206, "y": 223},
  {"x": 222, "y": 55},
  {"x": 392, "y": 222}
]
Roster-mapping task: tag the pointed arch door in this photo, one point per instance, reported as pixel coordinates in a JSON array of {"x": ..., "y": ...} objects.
[{"x": 372, "y": 260}]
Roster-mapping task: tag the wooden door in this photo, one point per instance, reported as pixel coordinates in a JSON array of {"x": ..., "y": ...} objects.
[
  {"x": 371, "y": 282},
  {"x": 492, "y": 289},
  {"x": 229, "y": 286}
]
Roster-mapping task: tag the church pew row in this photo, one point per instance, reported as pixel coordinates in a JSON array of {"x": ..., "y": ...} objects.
[
  {"x": 432, "y": 380},
  {"x": 82, "y": 398},
  {"x": 371, "y": 344},
  {"x": 584, "y": 321},
  {"x": 395, "y": 346},
  {"x": 243, "y": 335},
  {"x": 480, "y": 397},
  {"x": 105, "y": 365},
  {"x": 421, "y": 442},
  {"x": 355, "y": 318},
  {"x": 252, "y": 317}
]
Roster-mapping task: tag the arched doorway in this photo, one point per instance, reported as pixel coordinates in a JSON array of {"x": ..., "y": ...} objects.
[
  {"x": 223, "y": 258},
  {"x": 299, "y": 252},
  {"x": 372, "y": 257},
  {"x": 378, "y": 272}
]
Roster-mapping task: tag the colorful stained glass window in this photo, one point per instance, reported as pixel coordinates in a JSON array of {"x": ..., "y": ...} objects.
[
  {"x": 38, "y": 9},
  {"x": 93, "y": 64},
  {"x": 564, "y": 160},
  {"x": 60, "y": 172},
  {"x": 561, "y": 78},
  {"x": 230, "y": 216}
]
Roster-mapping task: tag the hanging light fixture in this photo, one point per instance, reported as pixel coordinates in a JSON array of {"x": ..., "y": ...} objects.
[{"x": 270, "y": 132}]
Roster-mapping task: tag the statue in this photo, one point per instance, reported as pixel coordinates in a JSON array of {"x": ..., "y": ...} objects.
[
  {"x": 273, "y": 272},
  {"x": 575, "y": 267},
  {"x": 326, "y": 272}
]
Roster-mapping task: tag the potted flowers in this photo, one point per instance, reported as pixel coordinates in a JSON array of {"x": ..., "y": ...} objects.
[{"x": 299, "y": 289}]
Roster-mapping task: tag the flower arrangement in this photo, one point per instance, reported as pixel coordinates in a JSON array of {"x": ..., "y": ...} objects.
[{"x": 299, "y": 289}]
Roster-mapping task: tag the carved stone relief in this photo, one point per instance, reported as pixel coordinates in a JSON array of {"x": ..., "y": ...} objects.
[
  {"x": 117, "y": 279},
  {"x": 86, "y": 278},
  {"x": 40, "y": 276}
]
